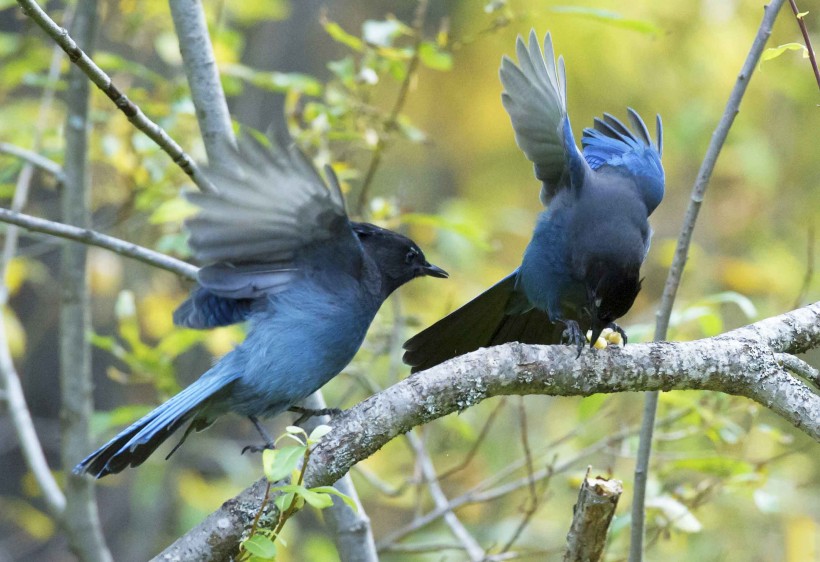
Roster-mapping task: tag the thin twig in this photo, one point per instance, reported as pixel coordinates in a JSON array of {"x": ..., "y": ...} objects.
[
  {"x": 805, "y": 32},
  {"x": 679, "y": 261},
  {"x": 390, "y": 123},
  {"x": 33, "y": 158},
  {"x": 14, "y": 397},
  {"x": 93, "y": 238},
  {"x": 799, "y": 367},
  {"x": 481, "y": 493},
  {"x": 809, "y": 275},
  {"x": 485, "y": 430},
  {"x": 104, "y": 83},
  {"x": 470, "y": 545},
  {"x": 530, "y": 505}
]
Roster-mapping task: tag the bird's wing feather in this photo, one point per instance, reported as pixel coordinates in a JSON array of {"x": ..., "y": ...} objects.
[
  {"x": 535, "y": 97},
  {"x": 611, "y": 143},
  {"x": 270, "y": 209}
]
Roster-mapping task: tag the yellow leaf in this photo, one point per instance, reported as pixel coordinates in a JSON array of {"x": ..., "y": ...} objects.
[
  {"x": 15, "y": 334},
  {"x": 31, "y": 520}
]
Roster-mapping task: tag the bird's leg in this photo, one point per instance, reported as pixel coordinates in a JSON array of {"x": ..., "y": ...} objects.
[
  {"x": 573, "y": 335},
  {"x": 269, "y": 443},
  {"x": 307, "y": 413},
  {"x": 616, "y": 328}
]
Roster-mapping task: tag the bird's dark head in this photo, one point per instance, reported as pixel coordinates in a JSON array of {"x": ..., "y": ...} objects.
[
  {"x": 399, "y": 258},
  {"x": 611, "y": 296}
]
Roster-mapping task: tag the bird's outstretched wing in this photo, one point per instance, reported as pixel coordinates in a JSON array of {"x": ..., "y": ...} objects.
[
  {"x": 611, "y": 143},
  {"x": 271, "y": 210},
  {"x": 535, "y": 97}
]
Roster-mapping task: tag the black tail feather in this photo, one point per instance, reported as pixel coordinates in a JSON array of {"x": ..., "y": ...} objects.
[{"x": 484, "y": 321}]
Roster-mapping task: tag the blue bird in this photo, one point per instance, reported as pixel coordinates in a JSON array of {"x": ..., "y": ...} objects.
[
  {"x": 583, "y": 262},
  {"x": 281, "y": 254}
]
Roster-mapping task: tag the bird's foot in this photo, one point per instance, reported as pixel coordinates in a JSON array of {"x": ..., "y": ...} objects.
[
  {"x": 269, "y": 442},
  {"x": 257, "y": 448},
  {"x": 574, "y": 336},
  {"x": 307, "y": 413},
  {"x": 618, "y": 330}
]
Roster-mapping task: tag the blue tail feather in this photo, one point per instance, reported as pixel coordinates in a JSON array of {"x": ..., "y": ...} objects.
[{"x": 139, "y": 440}]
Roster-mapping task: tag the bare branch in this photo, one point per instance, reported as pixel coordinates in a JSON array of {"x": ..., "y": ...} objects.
[
  {"x": 468, "y": 543},
  {"x": 104, "y": 83},
  {"x": 805, "y": 32},
  {"x": 81, "y": 520},
  {"x": 93, "y": 238},
  {"x": 401, "y": 98},
  {"x": 742, "y": 362},
  {"x": 13, "y": 390},
  {"x": 36, "y": 160},
  {"x": 592, "y": 515},
  {"x": 673, "y": 279},
  {"x": 203, "y": 78},
  {"x": 799, "y": 367}
]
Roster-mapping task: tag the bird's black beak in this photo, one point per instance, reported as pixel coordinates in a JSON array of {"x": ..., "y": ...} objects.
[
  {"x": 434, "y": 271},
  {"x": 596, "y": 333}
]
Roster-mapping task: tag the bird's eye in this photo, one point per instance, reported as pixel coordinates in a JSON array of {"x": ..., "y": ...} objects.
[{"x": 411, "y": 256}]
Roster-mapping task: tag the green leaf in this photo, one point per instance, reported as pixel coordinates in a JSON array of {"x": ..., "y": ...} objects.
[
  {"x": 774, "y": 52},
  {"x": 283, "y": 502},
  {"x": 719, "y": 466},
  {"x": 341, "y": 36},
  {"x": 333, "y": 491},
  {"x": 316, "y": 499},
  {"x": 743, "y": 303},
  {"x": 248, "y": 13},
  {"x": 261, "y": 546},
  {"x": 432, "y": 57},
  {"x": 612, "y": 18},
  {"x": 319, "y": 432},
  {"x": 174, "y": 210},
  {"x": 382, "y": 33},
  {"x": 279, "y": 463},
  {"x": 675, "y": 513},
  {"x": 283, "y": 82}
]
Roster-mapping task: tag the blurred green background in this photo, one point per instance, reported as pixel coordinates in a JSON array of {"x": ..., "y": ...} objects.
[{"x": 730, "y": 481}]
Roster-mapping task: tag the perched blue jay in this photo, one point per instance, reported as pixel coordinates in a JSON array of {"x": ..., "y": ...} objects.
[
  {"x": 281, "y": 254},
  {"x": 582, "y": 265}
]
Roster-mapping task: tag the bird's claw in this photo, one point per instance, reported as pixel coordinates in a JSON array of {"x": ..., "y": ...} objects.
[
  {"x": 574, "y": 336},
  {"x": 614, "y": 327},
  {"x": 307, "y": 413},
  {"x": 256, "y": 448}
]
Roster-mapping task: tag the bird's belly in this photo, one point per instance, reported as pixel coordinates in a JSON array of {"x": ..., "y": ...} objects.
[{"x": 294, "y": 352}]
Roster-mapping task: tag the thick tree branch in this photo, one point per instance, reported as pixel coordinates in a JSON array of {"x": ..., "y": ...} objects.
[
  {"x": 743, "y": 362},
  {"x": 592, "y": 514},
  {"x": 104, "y": 83}
]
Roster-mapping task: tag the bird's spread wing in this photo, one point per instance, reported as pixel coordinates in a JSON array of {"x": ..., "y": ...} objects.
[
  {"x": 611, "y": 143},
  {"x": 271, "y": 208},
  {"x": 535, "y": 97}
]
